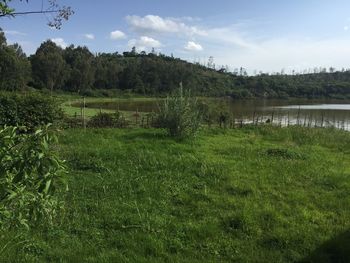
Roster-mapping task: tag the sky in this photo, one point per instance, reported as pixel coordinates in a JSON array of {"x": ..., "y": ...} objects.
[{"x": 259, "y": 35}]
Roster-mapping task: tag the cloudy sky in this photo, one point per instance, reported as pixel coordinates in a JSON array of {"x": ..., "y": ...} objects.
[{"x": 267, "y": 35}]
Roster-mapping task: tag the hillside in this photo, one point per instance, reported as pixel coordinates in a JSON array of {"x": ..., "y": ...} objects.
[{"x": 76, "y": 69}]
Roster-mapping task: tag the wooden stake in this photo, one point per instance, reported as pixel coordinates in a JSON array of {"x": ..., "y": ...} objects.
[{"x": 84, "y": 123}]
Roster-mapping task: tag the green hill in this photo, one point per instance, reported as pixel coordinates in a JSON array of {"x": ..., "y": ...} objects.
[{"x": 76, "y": 69}]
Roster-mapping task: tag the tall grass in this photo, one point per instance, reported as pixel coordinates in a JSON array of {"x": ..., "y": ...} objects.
[{"x": 179, "y": 114}]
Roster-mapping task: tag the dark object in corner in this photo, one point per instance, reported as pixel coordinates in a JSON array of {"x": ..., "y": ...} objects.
[{"x": 336, "y": 250}]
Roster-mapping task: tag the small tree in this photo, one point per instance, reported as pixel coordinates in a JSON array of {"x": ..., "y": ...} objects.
[
  {"x": 180, "y": 114},
  {"x": 30, "y": 176}
]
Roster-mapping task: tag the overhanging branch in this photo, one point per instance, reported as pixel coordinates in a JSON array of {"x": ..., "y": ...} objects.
[{"x": 29, "y": 13}]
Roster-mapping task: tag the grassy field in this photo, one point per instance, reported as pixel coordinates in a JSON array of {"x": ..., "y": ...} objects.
[
  {"x": 70, "y": 108},
  {"x": 259, "y": 194}
]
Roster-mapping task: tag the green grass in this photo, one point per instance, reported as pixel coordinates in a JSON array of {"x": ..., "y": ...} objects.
[
  {"x": 71, "y": 110},
  {"x": 250, "y": 195}
]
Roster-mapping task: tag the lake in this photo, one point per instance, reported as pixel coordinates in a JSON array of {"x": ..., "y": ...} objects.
[{"x": 304, "y": 112}]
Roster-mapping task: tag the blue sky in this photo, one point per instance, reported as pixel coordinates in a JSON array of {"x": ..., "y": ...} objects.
[{"x": 262, "y": 35}]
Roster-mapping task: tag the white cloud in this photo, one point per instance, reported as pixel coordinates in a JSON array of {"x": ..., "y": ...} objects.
[
  {"x": 59, "y": 42},
  {"x": 230, "y": 36},
  {"x": 89, "y": 36},
  {"x": 157, "y": 24},
  {"x": 346, "y": 28},
  {"x": 14, "y": 33},
  {"x": 192, "y": 46},
  {"x": 149, "y": 42},
  {"x": 144, "y": 42},
  {"x": 117, "y": 35}
]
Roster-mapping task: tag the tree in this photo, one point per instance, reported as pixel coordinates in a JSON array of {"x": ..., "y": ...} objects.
[
  {"x": 61, "y": 12},
  {"x": 48, "y": 66},
  {"x": 14, "y": 66},
  {"x": 211, "y": 64},
  {"x": 139, "y": 86},
  {"x": 82, "y": 72}
]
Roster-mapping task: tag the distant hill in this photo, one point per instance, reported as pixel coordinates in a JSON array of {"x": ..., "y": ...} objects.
[{"x": 76, "y": 69}]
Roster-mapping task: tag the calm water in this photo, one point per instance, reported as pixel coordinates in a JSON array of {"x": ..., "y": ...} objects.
[
  {"x": 284, "y": 112},
  {"x": 310, "y": 113}
]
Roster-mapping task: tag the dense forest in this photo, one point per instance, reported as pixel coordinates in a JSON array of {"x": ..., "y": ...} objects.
[{"x": 76, "y": 69}]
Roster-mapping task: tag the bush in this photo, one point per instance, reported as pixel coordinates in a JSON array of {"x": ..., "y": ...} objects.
[
  {"x": 180, "y": 114},
  {"x": 213, "y": 113},
  {"x": 107, "y": 120},
  {"x": 30, "y": 176},
  {"x": 31, "y": 110}
]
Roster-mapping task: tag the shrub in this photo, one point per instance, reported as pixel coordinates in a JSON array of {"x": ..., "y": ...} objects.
[
  {"x": 8, "y": 110},
  {"x": 180, "y": 114},
  {"x": 107, "y": 120},
  {"x": 213, "y": 113},
  {"x": 31, "y": 110},
  {"x": 30, "y": 177}
]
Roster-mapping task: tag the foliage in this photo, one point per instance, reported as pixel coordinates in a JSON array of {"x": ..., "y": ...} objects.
[
  {"x": 29, "y": 110},
  {"x": 31, "y": 174},
  {"x": 14, "y": 66},
  {"x": 213, "y": 112},
  {"x": 48, "y": 66},
  {"x": 107, "y": 120},
  {"x": 180, "y": 114},
  {"x": 80, "y": 65},
  {"x": 62, "y": 13}
]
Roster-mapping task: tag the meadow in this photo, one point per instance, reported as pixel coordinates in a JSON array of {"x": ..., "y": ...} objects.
[{"x": 256, "y": 194}]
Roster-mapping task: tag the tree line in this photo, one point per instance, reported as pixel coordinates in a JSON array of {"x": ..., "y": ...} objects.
[{"x": 77, "y": 69}]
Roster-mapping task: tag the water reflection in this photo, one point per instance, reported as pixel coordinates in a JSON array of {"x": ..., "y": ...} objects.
[
  {"x": 309, "y": 113},
  {"x": 319, "y": 107}
]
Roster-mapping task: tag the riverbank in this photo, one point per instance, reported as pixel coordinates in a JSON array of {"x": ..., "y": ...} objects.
[
  {"x": 257, "y": 194},
  {"x": 301, "y": 112}
]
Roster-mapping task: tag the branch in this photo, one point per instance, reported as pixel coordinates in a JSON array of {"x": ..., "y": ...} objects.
[{"x": 29, "y": 12}]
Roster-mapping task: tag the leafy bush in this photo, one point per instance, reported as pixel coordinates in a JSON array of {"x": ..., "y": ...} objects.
[
  {"x": 72, "y": 122},
  {"x": 107, "y": 120},
  {"x": 180, "y": 114},
  {"x": 31, "y": 174},
  {"x": 31, "y": 110},
  {"x": 213, "y": 113}
]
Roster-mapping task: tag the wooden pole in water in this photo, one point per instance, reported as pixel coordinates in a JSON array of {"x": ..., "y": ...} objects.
[
  {"x": 309, "y": 121},
  {"x": 298, "y": 115},
  {"x": 273, "y": 113},
  {"x": 254, "y": 116}
]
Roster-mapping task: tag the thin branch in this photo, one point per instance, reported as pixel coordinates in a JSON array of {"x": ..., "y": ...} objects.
[{"x": 29, "y": 12}]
